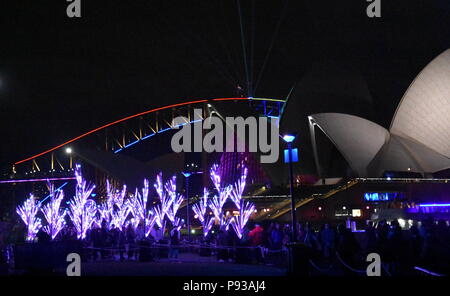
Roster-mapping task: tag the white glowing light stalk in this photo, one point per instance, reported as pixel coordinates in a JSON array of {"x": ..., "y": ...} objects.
[
  {"x": 53, "y": 213},
  {"x": 218, "y": 201},
  {"x": 138, "y": 204},
  {"x": 200, "y": 210},
  {"x": 238, "y": 223},
  {"x": 175, "y": 200},
  {"x": 83, "y": 210},
  {"x": 238, "y": 189},
  {"x": 27, "y": 213}
]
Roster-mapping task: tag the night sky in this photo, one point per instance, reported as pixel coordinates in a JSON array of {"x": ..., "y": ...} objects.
[{"x": 60, "y": 77}]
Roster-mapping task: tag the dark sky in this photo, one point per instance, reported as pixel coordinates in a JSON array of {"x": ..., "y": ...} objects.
[{"x": 60, "y": 77}]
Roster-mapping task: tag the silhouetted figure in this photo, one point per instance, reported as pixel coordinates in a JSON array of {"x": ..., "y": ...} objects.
[
  {"x": 222, "y": 241},
  {"x": 174, "y": 243},
  {"x": 347, "y": 247},
  {"x": 328, "y": 238},
  {"x": 256, "y": 239},
  {"x": 130, "y": 240}
]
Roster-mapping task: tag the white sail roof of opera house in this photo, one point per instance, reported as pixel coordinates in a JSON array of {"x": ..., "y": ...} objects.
[
  {"x": 418, "y": 139},
  {"x": 424, "y": 111}
]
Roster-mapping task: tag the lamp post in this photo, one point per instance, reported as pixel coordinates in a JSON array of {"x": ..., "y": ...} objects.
[
  {"x": 69, "y": 152},
  {"x": 188, "y": 224},
  {"x": 189, "y": 171},
  {"x": 289, "y": 139}
]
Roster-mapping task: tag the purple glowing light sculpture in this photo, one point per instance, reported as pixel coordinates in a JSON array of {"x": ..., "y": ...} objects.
[
  {"x": 149, "y": 223},
  {"x": 115, "y": 210},
  {"x": 28, "y": 212},
  {"x": 200, "y": 210},
  {"x": 218, "y": 201},
  {"x": 161, "y": 210},
  {"x": 138, "y": 204},
  {"x": 53, "y": 213},
  {"x": 121, "y": 208},
  {"x": 164, "y": 197},
  {"x": 176, "y": 199},
  {"x": 238, "y": 189},
  {"x": 82, "y": 209},
  {"x": 139, "y": 210},
  {"x": 238, "y": 222}
]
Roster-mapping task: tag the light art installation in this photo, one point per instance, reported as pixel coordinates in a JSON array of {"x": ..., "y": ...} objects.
[
  {"x": 218, "y": 201},
  {"x": 115, "y": 210},
  {"x": 200, "y": 209},
  {"x": 28, "y": 212},
  {"x": 160, "y": 211},
  {"x": 138, "y": 204},
  {"x": 238, "y": 222},
  {"x": 121, "y": 209},
  {"x": 176, "y": 199},
  {"x": 238, "y": 189},
  {"x": 82, "y": 209},
  {"x": 140, "y": 212},
  {"x": 53, "y": 213}
]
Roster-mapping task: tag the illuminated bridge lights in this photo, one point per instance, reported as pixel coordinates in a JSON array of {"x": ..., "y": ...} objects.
[
  {"x": 159, "y": 132},
  {"x": 144, "y": 113}
]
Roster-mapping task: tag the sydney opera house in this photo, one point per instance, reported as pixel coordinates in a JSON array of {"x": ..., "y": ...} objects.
[{"x": 399, "y": 172}]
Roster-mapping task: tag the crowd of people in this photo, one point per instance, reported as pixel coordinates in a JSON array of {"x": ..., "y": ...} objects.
[{"x": 426, "y": 243}]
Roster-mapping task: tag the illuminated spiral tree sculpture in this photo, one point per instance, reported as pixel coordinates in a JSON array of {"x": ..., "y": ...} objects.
[
  {"x": 245, "y": 208},
  {"x": 218, "y": 201},
  {"x": 121, "y": 208},
  {"x": 53, "y": 213},
  {"x": 176, "y": 201},
  {"x": 82, "y": 209},
  {"x": 161, "y": 210},
  {"x": 200, "y": 210},
  {"x": 245, "y": 211},
  {"x": 28, "y": 212}
]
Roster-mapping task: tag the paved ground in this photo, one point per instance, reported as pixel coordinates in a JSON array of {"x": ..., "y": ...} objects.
[{"x": 187, "y": 265}]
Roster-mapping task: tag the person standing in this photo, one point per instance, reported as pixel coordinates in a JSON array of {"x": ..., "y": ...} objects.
[
  {"x": 174, "y": 243},
  {"x": 256, "y": 236},
  {"x": 130, "y": 240}
]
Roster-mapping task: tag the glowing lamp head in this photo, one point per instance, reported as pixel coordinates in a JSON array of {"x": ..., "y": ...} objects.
[
  {"x": 68, "y": 150},
  {"x": 288, "y": 138},
  {"x": 186, "y": 174}
]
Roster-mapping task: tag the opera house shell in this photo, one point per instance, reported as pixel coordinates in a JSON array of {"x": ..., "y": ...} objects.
[{"x": 418, "y": 139}]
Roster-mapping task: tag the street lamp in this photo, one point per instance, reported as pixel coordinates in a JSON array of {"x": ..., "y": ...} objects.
[
  {"x": 69, "y": 152},
  {"x": 188, "y": 224},
  {"x": 289, "y": 138},
  {"x": 190, "y": 170}
]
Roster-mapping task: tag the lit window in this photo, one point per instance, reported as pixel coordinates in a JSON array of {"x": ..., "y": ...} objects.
[{"x": 356, "y": 213}]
